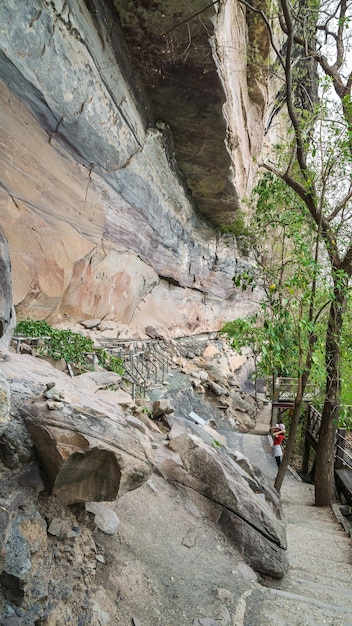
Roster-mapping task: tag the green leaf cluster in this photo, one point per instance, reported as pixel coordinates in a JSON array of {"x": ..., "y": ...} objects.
[
  {"x": 283, "y": 267},
  {"x": 245, "y": 280},
  {"x": 238, "y": 227},
  {"x": 65, "y": 344},
  {"x": 109, "y": 361}
]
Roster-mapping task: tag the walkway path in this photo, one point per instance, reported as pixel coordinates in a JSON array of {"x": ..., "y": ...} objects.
[{"x": 318, "y": 586}]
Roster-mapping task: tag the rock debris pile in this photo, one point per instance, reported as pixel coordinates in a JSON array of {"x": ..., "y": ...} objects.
[{"x": 122, "y": 511}]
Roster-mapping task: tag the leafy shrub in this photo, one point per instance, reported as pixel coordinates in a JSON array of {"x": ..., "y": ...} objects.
[
  {"x": 30, "y": 328},
  {"x": 67, "y": 345},
  {"x": 238, "y": 227}
]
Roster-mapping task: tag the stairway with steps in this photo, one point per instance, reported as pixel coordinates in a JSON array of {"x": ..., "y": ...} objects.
[
  {"x": 263, "y": 421},
  {"x": 317, "y": 588}
]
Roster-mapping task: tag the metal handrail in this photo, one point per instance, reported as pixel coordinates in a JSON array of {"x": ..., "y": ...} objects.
[
  {"x": 342, "y": 451},
  {"x": 346, "y": 456},
  {"x": 140, "y": 362},
  {"x": 149, "y": 360}
]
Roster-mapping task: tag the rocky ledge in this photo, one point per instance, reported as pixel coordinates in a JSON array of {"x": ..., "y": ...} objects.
[{"x": 67, "y": 485}]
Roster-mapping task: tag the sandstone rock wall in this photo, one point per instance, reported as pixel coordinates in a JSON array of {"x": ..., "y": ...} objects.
[
  {"x": 98, "y": 219},
  {"x": 246, "y": 86}
]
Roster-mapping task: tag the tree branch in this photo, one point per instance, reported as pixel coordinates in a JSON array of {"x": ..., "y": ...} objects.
[
  {"x": 309, "y": 201},
  {"x": 340, "y": 206},
  {"x": 301, "y": 154}
]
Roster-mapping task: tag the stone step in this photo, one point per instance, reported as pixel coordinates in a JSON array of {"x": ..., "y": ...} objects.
[
  {"x": 286, "y": 608},
  {"x": 319, "y": 543},
  {"x": 317, "y": 587},
  {"x": 321, "y": 567},
  {"x": 260, "y": 429},
  {"x": 264, "y": 417},
  {"x": 340, "y": 537},
  {"x": 328, "y": 583},
  {"x": 327, "y": 525},
  {"x": 314, "y": 513},
  {"x": 325, "y": 588}
]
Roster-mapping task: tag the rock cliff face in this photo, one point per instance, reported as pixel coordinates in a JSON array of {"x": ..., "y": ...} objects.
[
  {"x": 7, "y": 314},
  {"x": 128, "y": 133}
]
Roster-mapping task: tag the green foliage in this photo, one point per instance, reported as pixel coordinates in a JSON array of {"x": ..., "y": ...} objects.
[
  {"x": 346, "y": 357},
  {"x": 244, "y": 332},
  {"x": 31, "y": 328},
  {"x": 283, "y": 242},
  {"x": 282, "y": 250},
  {"x": 68, "y": 345},
  {"x": 238, "y": 227},
  {"x": 245, "y": 280},
  {"x": 345, "y": 418},
  {"x": 270, "y": 339},
  {"x": 109, "y": 361}
]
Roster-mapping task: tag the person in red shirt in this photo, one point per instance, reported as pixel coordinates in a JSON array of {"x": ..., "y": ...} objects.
[{"x": 278, "y": 433}]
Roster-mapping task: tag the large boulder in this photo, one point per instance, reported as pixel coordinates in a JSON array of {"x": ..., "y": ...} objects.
[
  {"x": 242, "y": 513},
  {"x": 88, "y": 455}
]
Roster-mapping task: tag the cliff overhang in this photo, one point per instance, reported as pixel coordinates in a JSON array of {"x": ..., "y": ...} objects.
[
  {"x": 172, "y": 50},
  {"x": 116, "y": 159}
]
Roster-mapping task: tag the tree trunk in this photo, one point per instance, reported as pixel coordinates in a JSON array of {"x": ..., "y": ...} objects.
[
  {"x": 290, "y": 442},
  {"x": 301, "y": 387},
  {"x": 324, "y": 475}
]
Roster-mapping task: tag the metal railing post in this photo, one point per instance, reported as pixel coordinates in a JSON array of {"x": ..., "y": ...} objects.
[{"x": 340, "y": 448}]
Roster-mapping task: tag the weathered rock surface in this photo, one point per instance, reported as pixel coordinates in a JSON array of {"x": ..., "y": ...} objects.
[
  {"x": 22, "y": 533},
  {"x": 88, "y": 456},
  {"x": 98, "y": 217},
  {"x": 106, "y": 519},
  {"x": 162, "y": 407},
  {"x": 7, "y": 312},
  {"x": 26, "y": 536},
  {"x": 195, "y": 91},
  {"x": 4, "y": 403},
  {"x": 244, "y": 516},
  {"x": 169, "y": 561},
  {"x": 65, "y": 564}
]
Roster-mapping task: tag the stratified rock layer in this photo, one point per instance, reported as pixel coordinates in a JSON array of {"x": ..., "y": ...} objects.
[{"x": 99, "y": 218}]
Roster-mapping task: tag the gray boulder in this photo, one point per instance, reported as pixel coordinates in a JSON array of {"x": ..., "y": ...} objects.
[
  {"x": 106, "y": 519},
  {"x": 162, "y": 407},
  {"x": 242, "y": 513},
  {"x": 88, "y": 456}
]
